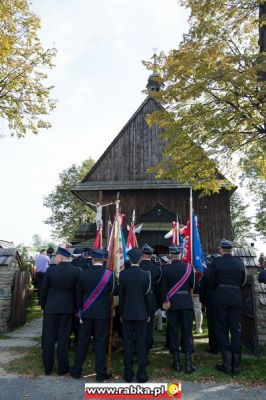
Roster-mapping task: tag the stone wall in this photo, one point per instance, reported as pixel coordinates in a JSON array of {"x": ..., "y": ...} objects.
[
  {"x": 260, "y": 297},
  {"x": 7, "y": 276}
]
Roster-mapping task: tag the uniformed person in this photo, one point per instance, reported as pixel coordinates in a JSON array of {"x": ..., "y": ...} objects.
[
  {"x": 94, "y": 290},
  {"x": 82, "y": 258},
  {"x": 58, "y": 304},
  {"x": 228, "y": 274},
  {"x": 207, "y": 299},
  {"x": 135, "y": 311},
  {"x": 262, "y": 275},
  {"x": 156, "y": 273},
  {"x": 176, "y": 284}
]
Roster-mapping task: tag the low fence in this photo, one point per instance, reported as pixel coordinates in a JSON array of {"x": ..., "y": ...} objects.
[{"x": 20, "y": 299}]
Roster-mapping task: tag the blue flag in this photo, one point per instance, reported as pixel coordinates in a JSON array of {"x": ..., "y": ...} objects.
[{"x": 199, "y": 260}]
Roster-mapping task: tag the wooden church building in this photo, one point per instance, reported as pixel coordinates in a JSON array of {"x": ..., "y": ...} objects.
[{"x": 123, "y": 168}]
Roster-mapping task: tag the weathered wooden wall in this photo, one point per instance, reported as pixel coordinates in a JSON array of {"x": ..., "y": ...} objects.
[
  {"x": 213, "y": 212},
  {"x": 132, "y": 152}
]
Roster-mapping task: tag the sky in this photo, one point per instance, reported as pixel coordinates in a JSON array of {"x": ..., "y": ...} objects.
[{"x": 99, "y": 78}]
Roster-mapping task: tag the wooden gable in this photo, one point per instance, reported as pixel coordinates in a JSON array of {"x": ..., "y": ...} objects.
[{"x": 134, "y": 150}]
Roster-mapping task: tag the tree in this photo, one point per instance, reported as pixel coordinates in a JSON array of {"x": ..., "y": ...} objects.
[
  {"x": 214, "y": 94},
  {"x": 67, "y": 210},
  {"x": 24, "y": 97},
  {"x": 242, "y": 225},
  {"x": 40, "y": 244},
  {"x": 36, "y": 240},
  {"x": 257, "y": 190}
]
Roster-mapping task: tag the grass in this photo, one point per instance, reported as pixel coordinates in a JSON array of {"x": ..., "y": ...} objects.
[
  {"x": 34, "y": 310},
  {"x": 252, "y": 373}
]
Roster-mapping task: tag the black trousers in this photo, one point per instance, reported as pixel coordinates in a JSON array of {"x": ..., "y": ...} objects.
[
  {"x": 149, "y": 340},
  {"x": 184, "y": 320},
  {"x": 211, "y": 321},
  {"x": 99, "y": 329},
  {"x": 229, "y": 321},
  {"x": 56, "y": 328},
  {"x": 135, "y": 330},
  {"x": 40, "y": 277}
]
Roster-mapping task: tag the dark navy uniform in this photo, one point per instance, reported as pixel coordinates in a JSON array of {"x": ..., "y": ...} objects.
[
  {"x": 135, "y": 309},
  {"x": 207, "y": 299},
  {"x": 227, "y": 275},
  {"x": 180, "y": 312},
  {"x": 262, "y": 276},
  {"x": 82, "y": 262},
  {"x": 95, "y": 320},
  {"x": 156, "y": 274},
  {"x": 58, "y": 303}
]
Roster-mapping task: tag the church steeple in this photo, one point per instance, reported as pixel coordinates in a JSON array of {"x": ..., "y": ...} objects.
[{"x": 154, "y": 84}]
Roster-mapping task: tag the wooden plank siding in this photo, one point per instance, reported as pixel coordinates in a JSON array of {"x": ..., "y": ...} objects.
[
  {"x": 133, "y": 151},
  {"x": 126, "y": 161},
  {"x": 213, "y": 211}
]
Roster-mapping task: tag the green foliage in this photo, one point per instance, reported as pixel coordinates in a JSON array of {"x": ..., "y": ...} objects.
[
  {"x": 36, "y": 240},
  {"x": 34, "y": 310},
  {"x": 24, "y": 97},
  {"x": 214, "y": 95},
  {"x": 23, "y": 252},
  {"x": 257, "y": 189},
  {"x": 67, "y": 210},
  {"x": 242, "y": 225},
  {"x": 40, "y": 244}
]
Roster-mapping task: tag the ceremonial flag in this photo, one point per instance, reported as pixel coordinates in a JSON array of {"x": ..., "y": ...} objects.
[
  {"x": 198, "y": 257},
  {"x": 131, "y": 239},
  {"x": 174, "y": 233},
  {"x": 185, "y": 231},
  {"x": 199, "y": 260},
  {"x": 109, "y": 230},
  {"x": 116, "y": 247},
  {"x": 98, "y": 242}
]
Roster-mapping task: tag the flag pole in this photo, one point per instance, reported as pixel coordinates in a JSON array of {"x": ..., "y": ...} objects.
[
  {"x": 114, "y": 265},
  {"x": 191, "y": 223}
]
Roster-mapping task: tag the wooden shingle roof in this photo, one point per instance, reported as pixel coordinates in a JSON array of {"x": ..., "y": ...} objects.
[
  {"x": 247, "y": 254},
  {"x": 8, "y": 255}
]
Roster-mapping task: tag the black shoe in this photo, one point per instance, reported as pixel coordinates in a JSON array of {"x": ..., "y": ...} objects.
[
  {"x": 74, "y": 374},
  {"x": 48, "y": 373},
  {"x": 189, "y": 367},
  {"x": 101, "y": 378},
  {"x": 61, "y": 373},
  {"x": 128, "y": 378},
  {"x": 226, "y": 365},
  {"x": 236, "y": 361},
  {"x": 176, "y": 363},
  {"x": 143, "y": 379}
]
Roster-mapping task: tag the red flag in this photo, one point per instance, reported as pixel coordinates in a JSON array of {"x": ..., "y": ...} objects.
[
  {"x": 187, "y": 246},
  {"x": 131, "y": 239},
  {"x": 98, "y": 242}
]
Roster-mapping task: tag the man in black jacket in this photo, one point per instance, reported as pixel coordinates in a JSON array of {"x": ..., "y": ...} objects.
[
  {"x": 95, "y": 287},
  {"x": 178, "y": 279},
  {"x": 156, "y": 273},
  {"x": 82, "y": 258},
  {"x": 228, "y": 274},
  {"x": 207, "y": 299},
  {"x": 58, "y": 302},
  {"x": 135, "y": 311}
]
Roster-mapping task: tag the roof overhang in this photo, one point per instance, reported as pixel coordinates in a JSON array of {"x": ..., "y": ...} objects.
[{"x": 88, "y": 191}]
